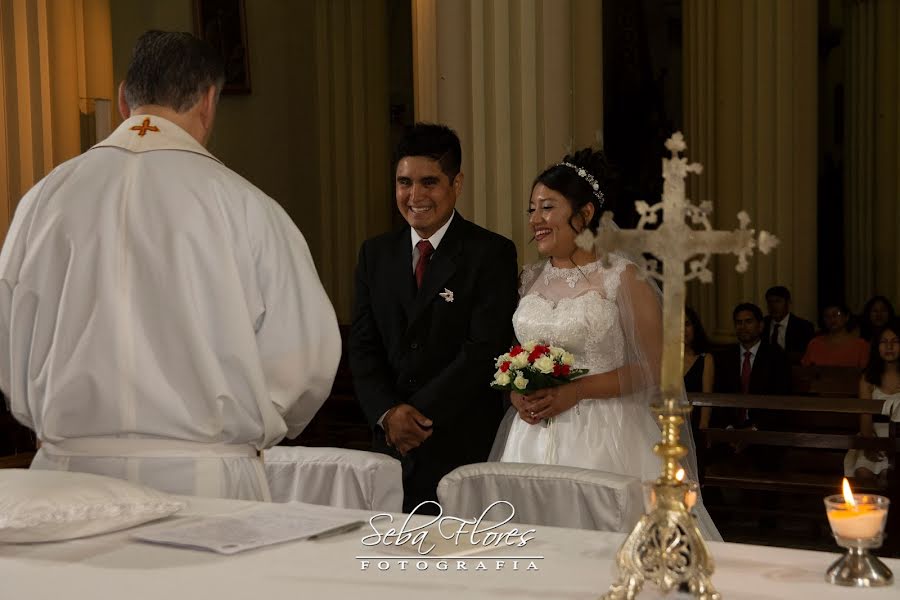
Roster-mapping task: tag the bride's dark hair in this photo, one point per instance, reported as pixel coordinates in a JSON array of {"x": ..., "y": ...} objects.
[{"x": 576, "y": 189}]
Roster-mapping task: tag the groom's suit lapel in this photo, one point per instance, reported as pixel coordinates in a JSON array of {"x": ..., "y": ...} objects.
[
  {"x": 443, "y": 265},
  {"x": 402, "y": 271}
]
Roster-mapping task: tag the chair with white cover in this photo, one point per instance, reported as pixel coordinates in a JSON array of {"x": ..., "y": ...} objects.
[
  {"x": 550, "y": 495},
  {"x": 334, "y": 477}
]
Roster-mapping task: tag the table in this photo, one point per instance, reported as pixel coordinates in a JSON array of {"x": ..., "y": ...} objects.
[{"x": 577, "y": 564}]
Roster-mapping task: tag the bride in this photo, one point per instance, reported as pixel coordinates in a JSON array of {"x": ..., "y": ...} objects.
[{"x": 610, "y": 319}]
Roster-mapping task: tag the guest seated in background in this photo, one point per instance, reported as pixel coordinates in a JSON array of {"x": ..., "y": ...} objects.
[
  {"x": 836, "y": 346},
  {"x": 881, "y": 381},
  {"x": 698, "y": 366},
  {"x": 782, "y": 327},
  {"x": 752, "y": 366},
  {"x": 877, "y": 313}
]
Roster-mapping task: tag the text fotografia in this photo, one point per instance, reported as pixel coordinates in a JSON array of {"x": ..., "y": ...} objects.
[
  {"x": 442, "y": 564},
  {"x": 441, "y": 541}
]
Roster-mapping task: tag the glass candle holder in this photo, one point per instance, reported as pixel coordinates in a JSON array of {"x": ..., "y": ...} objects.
[{"x": 858, "y": 527}]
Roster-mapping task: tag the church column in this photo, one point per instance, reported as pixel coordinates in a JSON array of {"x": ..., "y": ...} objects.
[
  {"x": 887, "y": 151},
  {"x": 750, "y": 118},
  {"x": 872, "y": 156},
  {"x": 351, "y": 58},
  {"x": 46, "y": 52},
  {"x": 859, "y": 170},
  {"x": 521, "y": 83}
]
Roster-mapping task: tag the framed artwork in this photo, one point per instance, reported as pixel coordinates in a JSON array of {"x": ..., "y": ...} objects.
[{"x": 223, "y": 24}]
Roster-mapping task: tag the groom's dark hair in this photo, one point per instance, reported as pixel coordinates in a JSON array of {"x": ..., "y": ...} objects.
[{"x": 437, "y": 142}]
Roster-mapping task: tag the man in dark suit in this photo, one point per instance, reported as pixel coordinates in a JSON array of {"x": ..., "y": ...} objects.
[
  {"x": 433, "y": 309},
  {"x": 782, "y": 327},
  {"x": 751, "y": 366}
]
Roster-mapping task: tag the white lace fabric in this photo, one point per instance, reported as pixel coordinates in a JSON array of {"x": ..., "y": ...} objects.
[
  {"x": 43, "y": 506},
  {"x": 610, "y": 320}
]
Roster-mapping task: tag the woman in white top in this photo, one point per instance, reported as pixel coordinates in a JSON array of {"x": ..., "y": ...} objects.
[{"x": 881, "y": 381}]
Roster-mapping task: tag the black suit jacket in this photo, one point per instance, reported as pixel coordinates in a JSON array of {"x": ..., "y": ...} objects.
[
  {"x": 799, "y": 332},
  {"x": 771, "y": 375},
  {"x": 413, "y": 346}
]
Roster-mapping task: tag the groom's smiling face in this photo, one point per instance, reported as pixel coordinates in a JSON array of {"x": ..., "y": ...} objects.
[{"x": 425, "y": 195}]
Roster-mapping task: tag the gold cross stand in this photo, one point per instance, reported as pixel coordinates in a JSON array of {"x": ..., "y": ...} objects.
[{"x": 665, "y": 547}]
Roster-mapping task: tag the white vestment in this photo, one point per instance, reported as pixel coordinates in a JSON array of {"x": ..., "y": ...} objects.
[{"x": 161, "y": 319}]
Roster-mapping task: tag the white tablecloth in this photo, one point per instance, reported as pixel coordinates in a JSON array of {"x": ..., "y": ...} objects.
[{"x": 578, "y": 564}]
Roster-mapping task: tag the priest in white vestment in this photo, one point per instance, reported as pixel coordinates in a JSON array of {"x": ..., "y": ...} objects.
[{"x": 161, "y": 319}]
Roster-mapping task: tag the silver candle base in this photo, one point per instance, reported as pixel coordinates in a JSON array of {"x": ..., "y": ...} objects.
[{"x": 858, "y": 568}]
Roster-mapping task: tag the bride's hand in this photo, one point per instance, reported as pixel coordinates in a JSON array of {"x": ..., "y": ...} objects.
[
  {"x": 550, "y": 402},
  {"x": 521, "y": 404}
]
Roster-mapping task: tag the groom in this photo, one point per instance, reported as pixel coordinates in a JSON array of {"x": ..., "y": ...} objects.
[{"x": 433, "y": 308}]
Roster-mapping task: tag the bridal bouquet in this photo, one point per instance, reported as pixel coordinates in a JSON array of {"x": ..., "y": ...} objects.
[{"x": 531, "y": 366}]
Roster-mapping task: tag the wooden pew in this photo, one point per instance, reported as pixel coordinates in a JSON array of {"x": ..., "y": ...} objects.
[
  {"x": 825, "y": 381},
  {"x": 810, "y": 459}
]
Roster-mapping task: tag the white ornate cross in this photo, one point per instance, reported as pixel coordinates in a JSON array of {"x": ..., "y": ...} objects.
[
  {"x": 666, "y": 547},
  {"x": 676, "y": 242}
]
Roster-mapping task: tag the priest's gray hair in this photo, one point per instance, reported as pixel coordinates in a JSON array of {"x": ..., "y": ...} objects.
[{"x": 172, "y": 69}]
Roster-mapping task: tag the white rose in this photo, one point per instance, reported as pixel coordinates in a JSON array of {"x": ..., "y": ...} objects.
[
  {"x": 501, "y": 378},
  {"x": 502, "y": 359},
  {"x": 520, "y": 381},
  {"x": 519, "y": 360},
  {"x": 556, "y": 352},
  {"x": 544, "y": 364},
  {"x": 529, "y": 346},
  {"x": 568, "y": 358}
]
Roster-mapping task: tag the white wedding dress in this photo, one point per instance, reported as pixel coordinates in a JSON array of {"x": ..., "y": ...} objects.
[{"x": 579, "y": 309}]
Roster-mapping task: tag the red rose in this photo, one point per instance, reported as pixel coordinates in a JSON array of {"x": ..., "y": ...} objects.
[
  {"x": 505, "y": 367},
  {"x": 516, "y": 350},
  {"x": 561, "y": 370},
  {"x": 538, "y": 352}
]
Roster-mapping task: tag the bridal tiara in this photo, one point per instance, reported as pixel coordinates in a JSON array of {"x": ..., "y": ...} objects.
[{"x": 595, "y": 187}]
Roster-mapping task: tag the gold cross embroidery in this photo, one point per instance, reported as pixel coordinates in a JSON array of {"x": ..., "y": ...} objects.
[{"x": 143, "y": 128}]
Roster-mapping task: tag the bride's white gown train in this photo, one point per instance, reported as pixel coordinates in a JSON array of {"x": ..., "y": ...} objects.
[{"x": 579, "y": 310}]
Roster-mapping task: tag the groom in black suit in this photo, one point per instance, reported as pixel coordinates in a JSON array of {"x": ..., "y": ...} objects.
[{"x": 432, "y": 310}]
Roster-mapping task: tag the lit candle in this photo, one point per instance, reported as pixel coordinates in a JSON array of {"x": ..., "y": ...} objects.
[
  {"x": 858, "y": 517},
  {"x": 690, "y": 495},
  {"x": 690, "y": 498}
]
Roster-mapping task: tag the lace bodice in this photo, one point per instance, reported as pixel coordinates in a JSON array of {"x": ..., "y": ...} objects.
[{"x": 576, "y": 310}]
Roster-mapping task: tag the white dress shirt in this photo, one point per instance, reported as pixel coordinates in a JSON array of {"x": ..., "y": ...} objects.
[
  {"x": 435, "y": 239},
  {"x": 753, "y": 350},
  {"x": 782, "y": 329}
]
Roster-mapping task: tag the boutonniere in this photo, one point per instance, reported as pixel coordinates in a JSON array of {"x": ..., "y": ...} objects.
[{"x": 447, "y": 295}]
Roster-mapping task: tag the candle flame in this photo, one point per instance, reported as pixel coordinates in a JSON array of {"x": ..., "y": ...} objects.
[
  {"x": 848, "y": 494},
  {"x": 679, "y": 475}
]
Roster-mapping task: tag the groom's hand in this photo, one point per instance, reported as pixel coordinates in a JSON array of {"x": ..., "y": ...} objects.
[{"x": 406, "y": 428}]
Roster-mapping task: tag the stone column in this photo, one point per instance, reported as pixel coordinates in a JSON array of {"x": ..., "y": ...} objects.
[
  {"x": 887, "y": 151},
  {"x": 46, "y": 48},
  {"x": 750, "y": 118},
  {"x": 872, "y": 155},
  {"x": 859, "y": 159},
  {"x": 352, "y": 95},
  {"x": 521, "y": 83}
]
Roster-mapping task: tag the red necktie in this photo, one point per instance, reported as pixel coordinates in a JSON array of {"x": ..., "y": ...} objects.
[
  {"x": 425, "y": 249},
  {"x": 745, "y": 373}
]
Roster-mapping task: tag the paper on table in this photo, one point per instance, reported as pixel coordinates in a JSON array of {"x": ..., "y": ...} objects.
[{"x": 254, "y": 528}]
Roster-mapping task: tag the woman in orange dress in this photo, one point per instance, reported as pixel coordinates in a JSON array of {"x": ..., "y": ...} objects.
[{"x": 836, "y": 346}]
